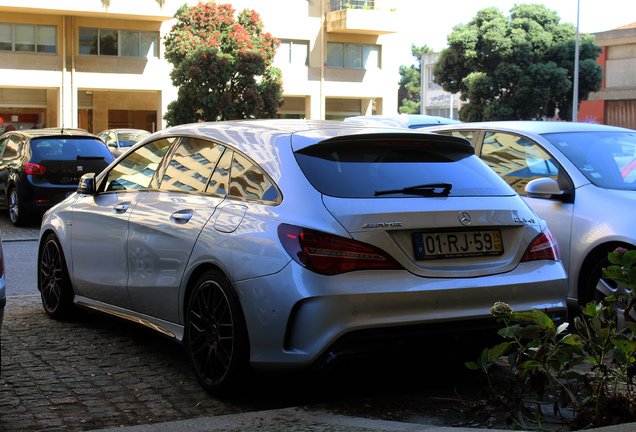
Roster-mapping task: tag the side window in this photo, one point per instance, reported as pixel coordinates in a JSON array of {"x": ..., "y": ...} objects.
[
  {"x": 13, "y": 146},
  {"x": 191, "y": 165},
  {"x": 517, "y": 160},
  {"x": 249, "y": 182},
  {"x": 3, "y": 144},
  {"x": 221, "y": 175},
  {"x": 138, "y": 168},
  {"x": 466, "y": 134}
]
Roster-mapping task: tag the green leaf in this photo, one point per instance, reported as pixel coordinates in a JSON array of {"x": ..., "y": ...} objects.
[
  {"x": 572, "y": 339},
  {"x": 629, "y": 258},
  {"x": 530, "y": 364},
  {"x": 591, "y": 309},
  {"x": 472, "y": 365},
  {"x": 508, "y": 332},
  {"x": 497, "y": 351}
]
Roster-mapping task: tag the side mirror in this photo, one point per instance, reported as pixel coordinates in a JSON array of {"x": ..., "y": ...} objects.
[
  {"x": 544, "y": 187},
  {"x": 86, "y": 184}
]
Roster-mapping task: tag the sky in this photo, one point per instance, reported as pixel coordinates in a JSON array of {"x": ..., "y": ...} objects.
[{"x": 430, "y": 21}]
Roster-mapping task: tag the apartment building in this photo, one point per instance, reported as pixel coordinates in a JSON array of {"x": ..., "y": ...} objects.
[
  {"x": 615, "y": 103},
  {"x": 99, "y": 64},
  {"x": 434, "y": 100}
]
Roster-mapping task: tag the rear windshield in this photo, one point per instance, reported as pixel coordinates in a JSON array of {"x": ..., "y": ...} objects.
[
  {"x": 391, "y": 169},
  {"x": 69, "y": 148}
]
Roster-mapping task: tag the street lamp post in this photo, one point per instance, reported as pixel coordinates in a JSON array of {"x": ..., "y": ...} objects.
[{"x": 575, "y": 97}]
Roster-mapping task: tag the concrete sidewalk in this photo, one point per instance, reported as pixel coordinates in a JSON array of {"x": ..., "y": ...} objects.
[{"x": 307, "y": 420}]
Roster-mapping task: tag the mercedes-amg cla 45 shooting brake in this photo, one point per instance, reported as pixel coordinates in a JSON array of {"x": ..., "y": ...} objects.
[{"x": 281, "y": 244}]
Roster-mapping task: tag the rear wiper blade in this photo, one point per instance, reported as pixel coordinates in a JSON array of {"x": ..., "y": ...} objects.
[
  {"x": 432, "y": 189},
  {"x": 80, "y": 157}
]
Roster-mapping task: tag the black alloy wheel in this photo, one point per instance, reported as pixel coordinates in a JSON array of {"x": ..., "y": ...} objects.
[
  {"x": 53, "y": 280},
  {"x": 215, "y": 334}
]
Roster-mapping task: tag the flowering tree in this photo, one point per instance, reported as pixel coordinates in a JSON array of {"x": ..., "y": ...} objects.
[{"x": 222, "y": 65}]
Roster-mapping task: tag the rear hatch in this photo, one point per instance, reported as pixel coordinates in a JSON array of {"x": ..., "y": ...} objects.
[
  {"x": 425, "y": 199},
  {"x": 66, "y": 159}
]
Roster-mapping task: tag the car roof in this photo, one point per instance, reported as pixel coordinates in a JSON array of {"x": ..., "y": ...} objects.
[
  {"x": 412, "y": 121},
  {"x": 130, "y": 130},
  {"x": 534, "y": 127},
  {"x": 53, "y": 132},
  {"x": 265, "y": 132}
]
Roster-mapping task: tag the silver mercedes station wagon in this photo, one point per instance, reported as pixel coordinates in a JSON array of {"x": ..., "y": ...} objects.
[{"x": 280, "y": 244}]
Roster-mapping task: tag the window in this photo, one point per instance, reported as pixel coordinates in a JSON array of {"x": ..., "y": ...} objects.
[
  {"x": 443, "y": 112},
  {"x": 138, "y": 168},
  {"x": 430, "y": 83},
  {"x": 335, "y": 5},
  {"x": 291, "y": 52},
  {"x": 122, "y": 43},
  {"x": 249, "y": 182},
  {"x": 28, "y": 38},
  {"x": 517, "y": 160},
  {"x": 191, "y": 165},
  {"x": 366, "y": 167},
  {"x": 353, "y": 56}
]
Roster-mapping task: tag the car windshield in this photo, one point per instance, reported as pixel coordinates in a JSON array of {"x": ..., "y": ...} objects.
[
  {"x": 388, "y": 169},
  {"x": 607, "y": 159},
  {"x": 127, "y": 139},
  {"x": 53, "y": 148}
]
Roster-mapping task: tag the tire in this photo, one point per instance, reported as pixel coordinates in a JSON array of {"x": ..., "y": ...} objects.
[
  {"x": 597, "y": 288},
  {"x": 216, "y": 335},
  {"x": 17, "y": 213},
  {"x": 53, "y": 280}
]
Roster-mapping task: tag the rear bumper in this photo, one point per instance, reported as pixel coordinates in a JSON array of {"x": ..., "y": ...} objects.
[{"x": 297, "y": 318}]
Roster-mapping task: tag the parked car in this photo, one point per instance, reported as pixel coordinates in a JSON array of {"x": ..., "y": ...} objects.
[
  {"x": 3, "y": 297},
  {"x": 411, "y": 121},
  {"x": 41, "y": 167},
  {"x": 287, "y": 244},
  {"x": 118, "y": 140},
  {"x": 579, "y": 177}
]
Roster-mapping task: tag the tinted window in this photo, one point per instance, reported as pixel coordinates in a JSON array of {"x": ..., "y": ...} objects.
[
  {"x": 607, "y": 159},
  {"x": 137, "y": 169},
  {"x": 72, "y": 148},
  {"x": 13, "y": 146},
  {"x": 249, "y": 182},
  {"x": 517, "y": 160},
  {"x": 191, "y": 165},
  {"x": 359, "y": 170},
  {"x": 221, "y": 176}
]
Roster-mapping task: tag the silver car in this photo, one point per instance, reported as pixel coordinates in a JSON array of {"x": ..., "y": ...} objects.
[
  {"x": 411, "y": 121},
  {"x": 287, "y": 244},
  {"x": 579, "y": 177},
  {"x": 119, "y": 140}
]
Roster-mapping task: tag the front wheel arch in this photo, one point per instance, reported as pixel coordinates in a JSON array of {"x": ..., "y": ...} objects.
[
  {"x": 53, "y": 280},
  {"x": 591, "y": 267}
]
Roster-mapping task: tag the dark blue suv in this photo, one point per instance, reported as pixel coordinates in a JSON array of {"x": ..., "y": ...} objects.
[{"x": 41, "y": 167}]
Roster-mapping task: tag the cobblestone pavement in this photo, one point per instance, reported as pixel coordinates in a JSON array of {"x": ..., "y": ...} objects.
[{"x": 99, "y": 372}]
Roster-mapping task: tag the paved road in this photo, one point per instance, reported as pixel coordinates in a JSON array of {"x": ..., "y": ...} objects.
[{"x": 99, "y": 372}]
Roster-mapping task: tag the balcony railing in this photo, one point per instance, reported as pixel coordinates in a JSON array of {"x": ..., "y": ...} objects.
[{"x": 336, "y": 5}]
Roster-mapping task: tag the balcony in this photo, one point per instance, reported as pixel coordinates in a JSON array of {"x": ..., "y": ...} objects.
[{"x": 359, "y": 17}]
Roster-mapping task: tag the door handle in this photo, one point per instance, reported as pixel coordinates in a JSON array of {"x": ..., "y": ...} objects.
[
  {"x": 120, "y": 208},
  {"x": 181, "y": 217}
]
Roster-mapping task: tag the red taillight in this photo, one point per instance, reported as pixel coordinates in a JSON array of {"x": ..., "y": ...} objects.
[
  {"x": 328, "y": 254},
  {"x": 543, "y": 247},
  {"x": 34, "y": 169}
]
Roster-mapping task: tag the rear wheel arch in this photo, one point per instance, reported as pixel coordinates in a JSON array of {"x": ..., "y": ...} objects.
[{"x": 215, "y": 332}]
